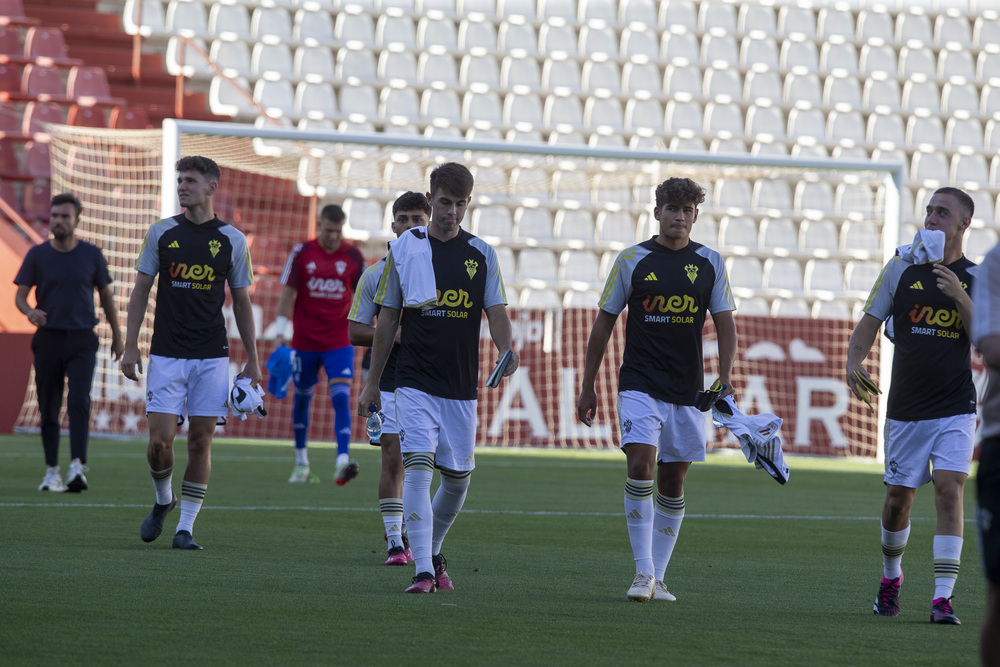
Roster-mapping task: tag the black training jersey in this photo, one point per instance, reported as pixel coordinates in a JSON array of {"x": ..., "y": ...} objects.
[
  {"x": 439, "y": 352},
  {"x": 194, "y": 263},
  {"x": 64, "y": 283},
  {"x": 668, "y": 293},
  {"x": 364, "y": 310},
  {"x": 931, "y": 366}
]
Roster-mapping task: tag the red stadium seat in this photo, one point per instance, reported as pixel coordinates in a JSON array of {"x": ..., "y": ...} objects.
[
  {"x": 42, "y": 82},
  {"x": 8, "y": 193},
  {"x": 10, "y": 78},
  {"x": 10, "y": 125},
  {"x": 89, "y": 86},
  {"x": 86, "y": 116},
  {"x": 12, "y": 13},
  {"x": 11, "y": 49},
  {"x": 46, "y": 46},
  {"x": 36, "y": 160},
  {"x": 38, "y": 114},
  {"x": 129, "y": 118},
  {"x": 37, "y": 200},
  {"x": 10, "y": 161}
]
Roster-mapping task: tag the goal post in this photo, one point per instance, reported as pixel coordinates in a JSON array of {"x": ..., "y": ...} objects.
[{"x": 558, "y": 215}]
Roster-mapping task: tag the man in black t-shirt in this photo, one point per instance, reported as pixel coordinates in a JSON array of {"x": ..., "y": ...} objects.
[
  {"x": 931, "y": 408},
  {"x": 64, "y": 272}
]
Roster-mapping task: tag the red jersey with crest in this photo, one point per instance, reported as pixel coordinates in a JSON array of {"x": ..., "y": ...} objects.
[{"x": 325, "y": 283}]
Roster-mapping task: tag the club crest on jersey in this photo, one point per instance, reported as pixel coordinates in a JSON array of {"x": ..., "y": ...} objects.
[
  {"x": 627, "y": 426},
  {"x": 471, "y": 266},
  {"x": 692, "y": 272},
  {"x": 214, "y": 247},
  {"x": 311, "y": 267},
  {"x": 341, "y": 266}
]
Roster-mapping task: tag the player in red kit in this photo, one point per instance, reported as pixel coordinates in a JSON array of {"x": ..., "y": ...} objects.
[{"x": 319, "y": 279}]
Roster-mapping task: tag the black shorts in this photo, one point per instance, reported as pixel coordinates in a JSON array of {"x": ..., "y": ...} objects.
[{"x": 988, "y": 507}]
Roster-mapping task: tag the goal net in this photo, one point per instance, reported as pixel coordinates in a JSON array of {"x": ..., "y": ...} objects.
[{"x": 804, "y": 241}]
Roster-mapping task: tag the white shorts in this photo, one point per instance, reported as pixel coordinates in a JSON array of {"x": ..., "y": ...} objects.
[
  {"x": 195, "y": 387},
  {"x": 444, "y": 426},
  {"x": 913, "y": 448},
  {"x": 677, "y": 431},
  {"x": 388, "y": 412}
]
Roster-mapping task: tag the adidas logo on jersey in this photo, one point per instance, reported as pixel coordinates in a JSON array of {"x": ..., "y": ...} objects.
[
  {"x": 917, "y": 285},
  {"x": 175, "y": 244},
  {"x": 651, "y": 276}
]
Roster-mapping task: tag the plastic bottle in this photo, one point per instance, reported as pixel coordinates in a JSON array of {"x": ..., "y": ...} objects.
[{"x": 374, "y": 424}]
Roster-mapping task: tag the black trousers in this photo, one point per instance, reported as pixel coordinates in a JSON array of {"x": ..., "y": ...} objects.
[{"x": 62, "y": 355}]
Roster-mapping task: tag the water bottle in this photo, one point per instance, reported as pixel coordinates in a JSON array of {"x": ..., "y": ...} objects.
[{"x": 374, "y": 425}]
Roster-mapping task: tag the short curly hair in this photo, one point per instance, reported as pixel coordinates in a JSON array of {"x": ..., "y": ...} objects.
[
  {"x": 679, "y": 191},
  {"x": 202, "y": 165}
]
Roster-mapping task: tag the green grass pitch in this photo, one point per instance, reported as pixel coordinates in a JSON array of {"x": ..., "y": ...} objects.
[{"x": 292, "y": 574}]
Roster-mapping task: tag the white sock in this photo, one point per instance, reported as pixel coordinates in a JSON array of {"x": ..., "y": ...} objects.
[
  {"x": 392, "y": 519},
  {"x": 639, "y": 519},
  {"x": 668, "y": 514},
  {"x": 161, "y": 482},
  {"x": 947, "y": 556},
  {"x": 419, "y": 516},
  {"x": 893, "y": 544},
  {"x": 192, "y": 496},
  {"x": 302, "y": 456},
  {"x": 447, "y": 504},
  {"x": 342, "y": 459}
]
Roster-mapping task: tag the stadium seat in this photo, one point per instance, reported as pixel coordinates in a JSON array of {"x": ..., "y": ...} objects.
[
  {"x": 233, "y": 57},
  {"x": 790, "y": 308},
  {"x": 89, "y": 86},
  {"x": 42, "y": 82},
  {"x": 897, "y": 155},
  {"x": 921, "y": 95},
  {"x": 36, "y": 160},
  {"x": 753, "y": 306},
  {"x": 930, "y": 166},
  {"x": 36, "y": 202},
  {"x": 964, "y": 132},
  {"x": 495, "y": 221},
  {"x": 807, "y": 123},
  {"x": 680, "y": 13},
  {"x": 10, "y": 78},
  {"x": 847, "y": 127},
  {"x": 985, "y": 31},
  {"x": 682, "y": 82},
  {"x": 838, "y": 58},
  {"x": 640, "y": 42},
  {"x": 719, "y": 50},
  {"x": 80, "y": 116},
  {"x": 477, "y": 35},
  {"x": 581, "y": 299},
  {"x": 772, "y": 194},
  {"x": 802, "y": 88},
  {"x": 557, "y": 40},
  {"x": 358, "y": 66},
  {"x": 758, "y": 18},
  {"x": 46, "y": 46},
  {"x": 533, "y": 225},
  {"x": 687, "y": 145},
  {"x": 485, "y": 7},
  {"x": 875, "y": 25},
  {"x": 969, "y": 169},
  {"x": 762, "y": 87},
  {"x": 823, "y": 309},
  {"x": 520, "y": 72},
  {"x": 561, "y": 76},
  {"x": 11, "y": 167},
  {"x": 313, "y": 28},
  {"x": 914, "y": 27},
  {"x": 437, "y": 70},
  {"x": 886, "y": 130},
  {"x": 537, "y": 264},
  {"x": 724, "y": 120},
  {"x": 482, "y": 108},
  {"x": 778, "y": 234},
  {"x": 566, "y": 10},
  {"x": 601, "y": 76},
  {"x": 517, "y": 39},
  {"x": 271, "y": 24},
  {"x": 315, "y": 100},
  {"x": 277, "y": 97},
  {"x": 855, "y": 199},
  {"x": 809, "y": 149},
  {"x": 882, "y": 95},
  {"x": 978, "y": 241},
  {"x": 574, "y": 227},
  {"x": 765, "y": 121},
  {"x": 525, "y": 109},
  {"x": 733, "y": 193},
  {"x": 396, "y": 32},
  {"x": 398, "y": 67},
  {"x": 606, "y": 115},
  {"x": 917, "y": 60},
  {"x": 799, "y": 54},
  {"x": 355, "y": 30},
  {"x": 436, "y": 34},
  {"x": 272, "y": 61},
  {"x": 683, "y": 48},
  {"x": 401, "y": 106},
  {"x": 483, "y": 72},
  {"x": 616, "y": 227},
  {"x": 959, "y": 97},
  {"x": 878, "y": 58},
  {"x": 842, "y": 90},
  {"x": 813, "y": 196},
  {"x": 745, "y": 273},
  {"x": 194, "y": 63},
  {"x": 152, "y": 22},
  {"x": 984, "y": 206},
  {"x": 598, "y": 40},
  {"x": 760, "y": 52},
  {"x": 38, "y": 114},
  {"x": 522, "y": 8},
  {"x": 314, "y": 64},
  {"x": 441, "y": 106},
  {"x": 925, "y": 131},
  {"x": 824, "y": 275},
  {"x": 644, "y": 116},
  {"x": 794, "y": 20},
  {"x": 860, "y": 236},
  {"x": 717, "y": 17},
  {"x": 861, "y": 275},
  {"x": 952, "y": 30},
  {"x": 726, "y": 84},
  {"x": 580, "y": 266},
  {"x": 540, "y": 299},
  {"x": 705, "y": 229},
  {"x": 957, "y": 63},
  {"x": 229, "y": 22},
  {"x": 364, "y": 215},
  {"x": 188, "y": 19},
  {"x": 570, "y": 186},
  {"x": 737, "y": 231},
  {"x": 990, "y": 105},
  {"x": 230, "y": 97},
  {"x": 683, "y": 117},
  {"x": 833, "y": 22}
]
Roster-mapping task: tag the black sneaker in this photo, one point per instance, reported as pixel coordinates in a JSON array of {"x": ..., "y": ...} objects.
[
  {"x": 440, "y": 576},
  {"x": 183, "y": 540},
  {"x": 887, "y": 600},
  {"x": 152, "y": 525},
  {"x": 941, "y": 612}
]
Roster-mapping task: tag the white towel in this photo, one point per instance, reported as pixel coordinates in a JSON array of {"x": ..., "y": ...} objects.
[
  {"x": 411, "y": 253},
  {"x": 758, "y": 437},
  {"x": 927, "y": 247}
]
